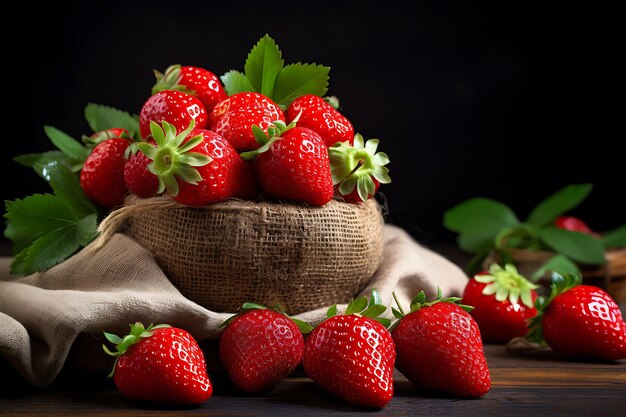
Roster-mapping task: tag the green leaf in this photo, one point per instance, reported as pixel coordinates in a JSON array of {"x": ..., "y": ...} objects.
[
  {"x": 47, "y": 251},
  {"x": 558, "y": 203},
  {"x": 384, "y": 321},
  {"x": 332, "y": 311},
  {"x": 30, "y": 159},
  {"x": 580, "y": 247},
  {"x": 374, "y": 310},
  {"x": 302, "y": 325},
  {"x": 252, "y": 306},
  {"x": 66, "y": 186},
  {"x": 616, "y": 238},
  {"x": 296, "y": 80},
  {"x": 558, "y": 263},
  {"x": 478, "y": 221},
  {"x": 67, "y": 144},
  {"x": 263, "y": 65},
  {"x": 236, "y": 82},
  {"x": 87, "y": 229},
  {"x": 34, "y": 216},
  {"x": 356, "y": 306},
  {"x": 100, "y": 117}
]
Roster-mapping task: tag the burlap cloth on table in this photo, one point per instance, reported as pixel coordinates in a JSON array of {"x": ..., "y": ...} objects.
[{"x": 42, "y": 315}]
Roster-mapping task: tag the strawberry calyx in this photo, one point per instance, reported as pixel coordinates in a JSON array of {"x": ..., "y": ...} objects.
[
  {"x": 371, "y": 307},
  {"x": 419, "y": 302},
  {"x": 170, "y": 80},
  {"x": 103, "y": 135},
  {"x": 246, "y": 307},
  {"x": 265, "y": 140},
  {"x": 122, "y": 344},
  {"x": 333, "y": 101},
  {"x": 172, "y": 157},
  {"x": 507, "y": 284},
  {"x": 559, "y": 284},
  {"x": 357, "y": 166}
]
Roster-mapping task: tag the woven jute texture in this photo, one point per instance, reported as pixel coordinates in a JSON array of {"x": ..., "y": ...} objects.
[{"x": 225, "y": 254}]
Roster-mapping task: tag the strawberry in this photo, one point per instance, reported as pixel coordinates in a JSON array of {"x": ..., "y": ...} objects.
[
  {"x": 102, "y": 176},
  {"x": 174, "y": 107},
  {"x": 260, "y": 347},
  {"x": 293, "y": 164},
  {"x": 159, "y": 363},
  {"x": 352, "y": 355},
  {"x": 358, "y": 169},
  {"x": 319, "y": 116},
  {"x": 197, "y": 167},
  {"x": 496, "y": 296},
  {"x": 139, "y": 180},
  {"x": 439, "y": 347},
  {"x": 573, "y": 224},
  {"x": 196, "y": 81},
  {"x": 579, "y": 321},
  {"x": 233, "y": 118}
]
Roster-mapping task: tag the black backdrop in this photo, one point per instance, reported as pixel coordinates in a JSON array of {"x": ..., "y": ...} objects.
[{"x": 495, "y": 99}]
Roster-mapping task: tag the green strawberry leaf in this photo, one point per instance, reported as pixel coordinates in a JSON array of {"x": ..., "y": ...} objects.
[
  {"x": 332, "y": 311},
  {"x": 263, "y": 65},
  {"x": 558, "y": 263},
  {"x": 67, "y": 144},
  {"x": 578, "y": 246},
  {"x": 302, "y": 325},
  {"x": 615, "y": 238},
  {"x": 100, "y": 117},
  {"x": 296, "y": 80},
  {"x": 66, "y": 186},
  {"x": 236, "y": 82},
  {"x": 478, "y": 221},
  {"x": 560, "y": 202},
  {"x": 356, "y": 306}
]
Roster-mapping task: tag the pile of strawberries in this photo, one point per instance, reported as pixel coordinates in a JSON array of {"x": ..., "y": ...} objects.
[{"x": 200, "y": 145}]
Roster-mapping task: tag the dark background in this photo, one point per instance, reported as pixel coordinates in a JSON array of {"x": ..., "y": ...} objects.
[{"x": 497, "y": 99}]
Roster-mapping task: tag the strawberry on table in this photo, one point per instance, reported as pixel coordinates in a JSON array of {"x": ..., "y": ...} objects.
[
  {"x": 259, "y": 347},
  {"x": 358, "y": 169},
  {"x": 175, "y": 107},
  {"x": 579, "y": 321},
  {"x": 292, "y": 164},
  {"x": 197, "y": 167},
  {"x": 196, "y": 81},
  {"x": 319, "y": 116},
  {"x": 439, "y": 347},
  {"x": 159, "y": 363},
  {"x": 234, "y": 117},
  {"x": 352, "y": 355},
  {"x": 503, "y": 302},
  {"x": 102, "y": 175}
]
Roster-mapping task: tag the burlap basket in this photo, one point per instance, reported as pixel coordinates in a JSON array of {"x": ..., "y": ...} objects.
[{"x": 224, "y": 254}]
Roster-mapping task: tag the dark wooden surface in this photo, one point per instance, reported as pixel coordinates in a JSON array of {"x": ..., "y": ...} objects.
[{"x": 521, "y": 386}]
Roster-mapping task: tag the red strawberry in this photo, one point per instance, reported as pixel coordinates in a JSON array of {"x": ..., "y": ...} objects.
[
  {"x": 139, "y": 180},
  {"x": 358, "y": 169},
  {"x": 160, "y": 363},
  {"x": 293, "y": 164},
  {"x": 322, "y": 118},
  {"x": 260, "y": 347},
  {"x": 496, "y": 296},
  {"x": 174, "y": 107},
  {"x": 352, "y": 355},
  {"x": 579, "y": 321},
  {"x": 573, "y": 224},
  {"x": 233, "y": 118},
  {"x": 439, "y": 347},
  {"x": 197, "y": 167},
  {"x": 196, "y": 81},
  {"x": 102, "y": 176}
]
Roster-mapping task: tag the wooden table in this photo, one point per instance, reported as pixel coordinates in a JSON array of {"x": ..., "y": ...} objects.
[{"x": 521, "y": 386}]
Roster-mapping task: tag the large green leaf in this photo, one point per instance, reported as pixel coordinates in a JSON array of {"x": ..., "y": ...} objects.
[
  {"x": 558, "y": 263},
  {"x": 558, "y": 203},
  {"x": 478, "y": 221},
  {"x": 296, "y": 80},
  {"x": 100, "y": 117},
  {"x": 66, "y": 186},
  {"x": 578, "y": 246},
  {"x": 263, "y": 65},
  {"x": 236, "y": 82},
  {"x": 67, "y": 144}
]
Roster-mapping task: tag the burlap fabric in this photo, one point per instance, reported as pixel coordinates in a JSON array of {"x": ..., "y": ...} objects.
[
  {"x": 42, "y": 315},
  {"x": 224, "y": 254}
]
